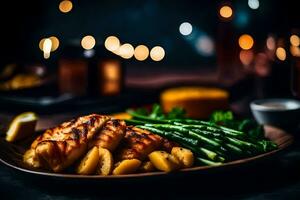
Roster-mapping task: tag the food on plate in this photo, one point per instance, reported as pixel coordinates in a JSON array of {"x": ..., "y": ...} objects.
[
  {"x": 110, "y": 135},
  {"x": 222, "y": 139},
  {"x": 164, "y": 161},
  {"x": 184, "y": 156},
  {"x": 198, "y": 102},
  {"x": 147, "y": 166},
  {"x": 21, "y": 81},
  {"x": 105, "y": 163},
  {"x": 61, "y": 146},
  {"x": 148, "y": 141},
  {"x": 127, "y": 166},
  {"x": 138, "y": 143},
  {"x": 89, "y": 163},
  {"x": 22, "y": 126}
]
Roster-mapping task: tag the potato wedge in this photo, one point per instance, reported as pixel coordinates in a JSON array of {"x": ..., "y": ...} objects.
[
  {"x": 127, "y": 167},
  {"x": 106, "y": 162},
  {"x": 89, "y": 163},
  {"x": 147, "y": 166},
  {"x": 185, "y": 156},
  {"x": 164, "y": 161}
]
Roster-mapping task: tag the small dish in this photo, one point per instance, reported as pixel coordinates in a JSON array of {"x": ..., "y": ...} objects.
[{"x": 283, "y": 113}]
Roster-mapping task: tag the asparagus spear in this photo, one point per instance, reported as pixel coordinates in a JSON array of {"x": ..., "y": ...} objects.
[
  {"x": 186, "y": 132},
  {"x": 200, "y": 122},
  {"x": 208, "y": 162},
  {"x": 208, "y": 125}
]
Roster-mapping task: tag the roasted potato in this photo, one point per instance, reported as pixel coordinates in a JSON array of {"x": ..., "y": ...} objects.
[
  {"x": 147, "y": 166},
  {"x": 164, "y": 161},
  {"x": 106, "y": 162},
  {"x": 185, "y": 156},
  {"x": 127, "y": 167},
  {"x": 89, "y": 163}
]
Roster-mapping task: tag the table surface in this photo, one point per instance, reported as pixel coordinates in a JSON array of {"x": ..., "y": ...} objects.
[{"x": 275, "y": 179}]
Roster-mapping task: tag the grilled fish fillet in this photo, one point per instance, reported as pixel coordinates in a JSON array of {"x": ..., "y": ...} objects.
[
  {"x": 138, "y": 143},
  {"x": 61, "y": 146},
  {"x": 110, "y": 135}
]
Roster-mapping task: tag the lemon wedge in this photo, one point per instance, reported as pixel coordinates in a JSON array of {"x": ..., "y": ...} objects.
[{"x": 23, "y": 125}]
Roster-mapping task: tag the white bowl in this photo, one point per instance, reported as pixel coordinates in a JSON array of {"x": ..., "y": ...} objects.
[{"x": 283, "y": 113}]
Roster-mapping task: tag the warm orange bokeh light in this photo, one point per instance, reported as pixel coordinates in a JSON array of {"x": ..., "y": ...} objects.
[
  {"x": 112, "y": 43},
  {"x": 65, "y": 6},
  {"x": 280, "y": 53},
  {"x": 295, "y": 51},
  {"x": 246, "y": 57},
  {"x": 141, "y": 52},
  {"x": 226, "y": 11},
  {"x": 54, "y": 40},
  {"x": 295, "y": 40},
  {"x": 126, "y": 51},
  {"x": 246, "y": 42},
  {"x": 157, "y": 53},
  {"x": 88, "y": 42}
]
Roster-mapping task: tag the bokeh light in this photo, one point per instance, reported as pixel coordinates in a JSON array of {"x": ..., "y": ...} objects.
[
  {"x": 157, "y": 53},
  {"x": 281, "y": 53},
  {"x": 262, "y": 65},
  {"x": 226, "y": 11},
  {"x": 295, "y": 40},
  {"x": 41, "y": 43},
  {"x": 88, "y": 42},
  {"x": 246, "y": 57},
  {"x": 141, "y": 52},
  {"x": 271, "y": 43},
  {"x": 89, "y": 53},
  {"x": 295, "y": 51},
  {"x": 126, "y": 51},
  {"x": 112, "y": 43},
  {"x": 54, "y": 45},
  {"x": 47, "y": 45},
  {"x": 246, "y": 42},
  {"x": 65, "y": 6},
  {"x": 185, "y": 28},
  {"x": 253, "y": 4},
  {"x": 205, "y": 45}
]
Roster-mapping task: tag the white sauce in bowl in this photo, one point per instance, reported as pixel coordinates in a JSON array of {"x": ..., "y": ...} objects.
[{"x": 275, "y": 104}]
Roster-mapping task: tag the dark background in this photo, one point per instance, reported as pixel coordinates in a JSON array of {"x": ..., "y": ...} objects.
[{"x": 152, "y": 22}]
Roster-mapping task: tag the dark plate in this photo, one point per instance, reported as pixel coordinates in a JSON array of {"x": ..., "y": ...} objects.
[{"x": 11, "y": 156}]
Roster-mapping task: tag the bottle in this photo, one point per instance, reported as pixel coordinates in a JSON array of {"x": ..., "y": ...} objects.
[{"x": 73, "y": 71}]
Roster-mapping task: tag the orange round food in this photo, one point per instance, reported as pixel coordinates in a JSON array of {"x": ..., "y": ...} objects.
[{"x": 198, "y": 102}]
